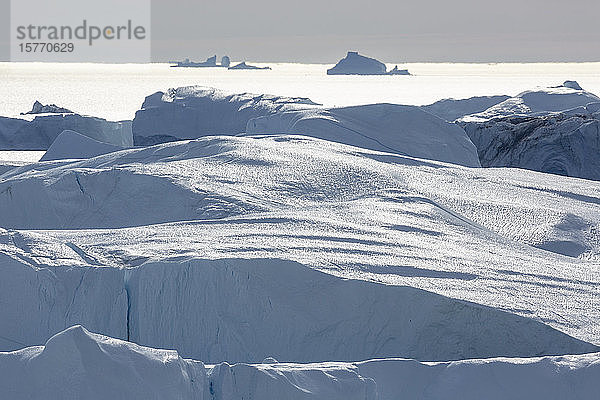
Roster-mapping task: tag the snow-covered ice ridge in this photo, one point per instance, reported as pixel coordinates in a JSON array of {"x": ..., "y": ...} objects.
[{"x": 99, "y": 367}]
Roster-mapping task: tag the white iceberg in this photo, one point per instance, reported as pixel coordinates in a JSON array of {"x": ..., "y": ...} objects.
[
  {"x": 77, "y": 364},
  {"x": 540, "y": 378},
  {"x": 538, "y": 102},
  {"x": 286, "y": 247},
  {"x": 195, "y": 111}
]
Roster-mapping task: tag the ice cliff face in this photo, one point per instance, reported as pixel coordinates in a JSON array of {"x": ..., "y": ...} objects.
[
  {"x": 246, "y": 310},
  {"x": 326, "y": 318},
  {"x": 194, "y": 111},
  {"x": 564, "y": 144},
  {"x": 553, "y": 130},
  {"x": 392, "y": 128},
  {"x": 38, "y": 134}
]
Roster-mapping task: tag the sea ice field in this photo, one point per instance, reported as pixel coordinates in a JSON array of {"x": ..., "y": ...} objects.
[{"x": 213, "y": 234}]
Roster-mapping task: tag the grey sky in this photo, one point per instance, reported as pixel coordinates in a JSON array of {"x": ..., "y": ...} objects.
[{"x": 392, "y": 30}]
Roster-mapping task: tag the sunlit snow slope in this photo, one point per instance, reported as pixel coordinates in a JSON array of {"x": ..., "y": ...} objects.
[{"x": 186, "y": 220}]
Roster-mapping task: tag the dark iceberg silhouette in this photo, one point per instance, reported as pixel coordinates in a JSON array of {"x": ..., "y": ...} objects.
[
  {"x": 356, "y": 64},
  {"x": 39, "y": 108},
  {"x": 243, "y": 65}
]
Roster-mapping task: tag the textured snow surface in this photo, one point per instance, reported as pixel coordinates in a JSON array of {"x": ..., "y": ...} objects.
[
  {"x": 195, "y": 111},
  {"x": 39, "y": 133},
  {"x": 70, "y": 144},
  {"x": 406, "y": 130},
  {"x": 463, "y": 233},
  {"x": 76, "y": 364}
]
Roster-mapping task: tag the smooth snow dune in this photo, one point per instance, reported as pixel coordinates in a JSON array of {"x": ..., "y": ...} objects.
[
  {"x": 72, "y": 145},
  {"x": 207, "y": 179},
  {"x": 406, "y": 130},
  {"x": 194, "y": 111}
]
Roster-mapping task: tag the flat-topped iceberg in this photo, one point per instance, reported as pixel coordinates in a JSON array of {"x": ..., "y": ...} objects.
[
  {"x": 210, "y": 62},
  {"x": 406, "y": 130},
  {"x": 195, "y": 111}
]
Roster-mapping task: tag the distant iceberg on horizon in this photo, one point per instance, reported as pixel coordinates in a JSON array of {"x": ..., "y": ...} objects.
[
  {"x": 210, "y": 62},
  {"x": 243, "y": 65},
  {"x": 356, "y": 64}
]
